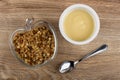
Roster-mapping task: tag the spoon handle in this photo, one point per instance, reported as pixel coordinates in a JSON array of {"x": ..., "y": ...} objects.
[{"x": 97, "y": 51}]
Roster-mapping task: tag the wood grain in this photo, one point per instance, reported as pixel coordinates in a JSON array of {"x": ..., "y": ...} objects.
[{"x": 105, "y": 66}]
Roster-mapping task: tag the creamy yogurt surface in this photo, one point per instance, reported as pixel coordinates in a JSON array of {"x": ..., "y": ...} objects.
[{"x": 78, "y": 25}]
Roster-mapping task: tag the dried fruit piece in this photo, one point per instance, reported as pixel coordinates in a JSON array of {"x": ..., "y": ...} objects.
[{"x": 34, "y": 46}]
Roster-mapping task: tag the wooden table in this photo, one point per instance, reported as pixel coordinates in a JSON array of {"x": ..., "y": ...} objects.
[{"x": 105, "y": 66}]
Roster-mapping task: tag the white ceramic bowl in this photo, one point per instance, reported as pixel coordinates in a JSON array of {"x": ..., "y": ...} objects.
[{"x": 91, "y": 12}]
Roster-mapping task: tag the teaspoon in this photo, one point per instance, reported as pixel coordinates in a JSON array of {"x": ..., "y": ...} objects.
[{"x": 69, "y": 65}]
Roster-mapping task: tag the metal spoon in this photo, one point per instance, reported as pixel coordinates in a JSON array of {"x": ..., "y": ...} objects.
[{"x": 69, "y": 65}]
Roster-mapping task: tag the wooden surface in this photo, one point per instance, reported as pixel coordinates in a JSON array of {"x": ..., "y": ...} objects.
[{"x": 105, "y": 66}]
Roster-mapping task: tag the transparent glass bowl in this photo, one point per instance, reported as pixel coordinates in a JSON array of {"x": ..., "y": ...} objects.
[{"x": 29, "y": 25}]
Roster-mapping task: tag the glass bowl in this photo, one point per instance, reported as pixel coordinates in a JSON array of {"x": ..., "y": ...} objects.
[{"x": 29, "y": 25}]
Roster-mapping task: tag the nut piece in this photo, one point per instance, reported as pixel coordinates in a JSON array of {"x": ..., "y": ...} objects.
[{"x": 34, "y": 46}]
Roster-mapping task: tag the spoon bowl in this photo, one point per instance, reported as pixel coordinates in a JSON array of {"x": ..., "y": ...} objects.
[{"x": 66, "y": 66}]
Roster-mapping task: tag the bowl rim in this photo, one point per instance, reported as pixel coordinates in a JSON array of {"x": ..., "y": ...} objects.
[{"x": 94, "y": 15}]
